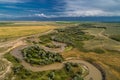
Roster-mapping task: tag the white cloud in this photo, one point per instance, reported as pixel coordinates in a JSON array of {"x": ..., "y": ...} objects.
[
  {"x": 85, "y": 13},
  {"x": 44, "y": 15},
  {"x": 5, "y": 15},
  {"x": 92, "y": 8},
  {"x": 41, "y": 15}
]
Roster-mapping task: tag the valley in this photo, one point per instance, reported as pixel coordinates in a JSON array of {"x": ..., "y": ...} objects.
[{"x": 59, "y": 51}]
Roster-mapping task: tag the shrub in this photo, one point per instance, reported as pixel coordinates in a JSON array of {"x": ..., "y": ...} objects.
[{"x": 99, "y": 51}]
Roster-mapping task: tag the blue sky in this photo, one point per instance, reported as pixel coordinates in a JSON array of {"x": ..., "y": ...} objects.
[{"x": 58, "y": 8}]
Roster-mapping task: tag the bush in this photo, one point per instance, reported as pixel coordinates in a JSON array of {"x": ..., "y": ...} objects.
[
  {"x": 51, "y": 75},
  {"x": 12, "y": 58},
  {"x": 99, "y": 51},
  {"x": 77, "y": 77}
]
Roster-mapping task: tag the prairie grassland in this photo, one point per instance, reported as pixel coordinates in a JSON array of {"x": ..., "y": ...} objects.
[
  {"x": 94, "y": 31},
  {"x": 109, "y": 61},
  {"x": 113, "y": 30},
  {"x": 13, "y": 32},
  {"x": 102, "y": 39},
  {"x": 25, "y": 23}
]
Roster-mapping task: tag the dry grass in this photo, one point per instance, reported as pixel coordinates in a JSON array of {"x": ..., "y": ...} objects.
[
  {"x": 101, "y": 41},
  {"x": 109, "y": 61},
  {"x": 13, "y": 32}
]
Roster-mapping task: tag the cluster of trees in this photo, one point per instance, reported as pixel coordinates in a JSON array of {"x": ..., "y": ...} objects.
[
  {"x": 72, "y": 36},
  {"x": 71, "y": 68},
  {"x": 45, "y": 38},
  {"x": 5, "y": 23},
  {"x": 88, "y": 25},
  {"x": 77, "y": 77},
  {"x": 36, "y": 55},
  {"x": 51, "y": 75},
  {"x": 23, "y": 74},
  {"x": 98, "y": 50},
  {"x": 52, "y": 46}
]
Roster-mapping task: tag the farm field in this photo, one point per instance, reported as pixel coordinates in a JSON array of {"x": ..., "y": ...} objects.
[{"x": 59, "y": 51}]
